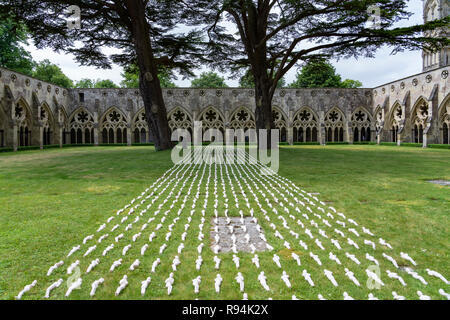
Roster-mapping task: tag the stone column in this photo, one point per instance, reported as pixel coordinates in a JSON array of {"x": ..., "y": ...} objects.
[
  {"x": 321, "y": 131},
  {"x": 61, "y": 133},
  {"x": 129, "y": 135},
  {"x": 41, "y": 136},
  {"x": 96, "y": 129},
  {"x": 290, "y": 128},
  {"x": 15, "y": 137}
]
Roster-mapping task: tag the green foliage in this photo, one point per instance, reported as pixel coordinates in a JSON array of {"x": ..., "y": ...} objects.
[
  {"x": 12, "y": 55},
  {"x": 321, "y": 74},
  {"x": 131, "y": 77},
  {"x": 89, "y": 83},
  {"x": 439, "y": 146},
  {"x": 49, "y": 72},
  {"x": 247, "y": 81},
  {"x": 209, "y": 80},
  {"x": 85, "y": 83},
  {"x": 105, "y": 84},
  {"x": 349, "y": 83}
]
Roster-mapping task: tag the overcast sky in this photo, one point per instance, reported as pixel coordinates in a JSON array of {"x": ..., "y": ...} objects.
[{"x": 371, "y": 72}]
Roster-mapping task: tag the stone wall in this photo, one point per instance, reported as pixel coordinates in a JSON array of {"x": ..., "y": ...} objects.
[{"x": 33, "y": 112}]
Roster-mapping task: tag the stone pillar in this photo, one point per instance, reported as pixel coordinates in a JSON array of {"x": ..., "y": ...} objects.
[
  {"x": 290, "y": 128},
  {"x": 41, "y": 136},
  {"x": 129, "y": 135},
  {"x": 147, "y": 136},
  {"x": 321, "y": 130},
  {"x": 96, "y": 129},
  {"x": 15, "y": 137},
  {"x": 61, "y": 133}
]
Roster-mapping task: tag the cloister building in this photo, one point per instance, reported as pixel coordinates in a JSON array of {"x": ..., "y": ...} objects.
[{"x": 413, "y": 109}]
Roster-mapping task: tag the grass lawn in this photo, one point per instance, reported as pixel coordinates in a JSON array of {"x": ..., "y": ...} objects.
[{"x": 50, "y": 200}]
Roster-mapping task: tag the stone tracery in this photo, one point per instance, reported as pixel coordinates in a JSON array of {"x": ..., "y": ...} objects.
[
  {"x": 334, "y": 125},
  {"x": 81, "y": 127},
  {"x": 305, "y": 126},
  {"x": 114, "y": 127}
]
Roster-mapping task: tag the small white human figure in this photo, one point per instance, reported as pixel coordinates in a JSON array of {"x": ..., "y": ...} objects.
[
  {"x": 169, "y": 283},
  {"x": 218, "y": 282},
  {"x": 240, "y": 280},
  {"x": 262, "y": 280},
  {"x": 236, "y": 261},
  {"x": 330, "y": 277},
  {"x": 422, "y": 296},
  {"x": 353, "y": 258},
  {"x": 307, "y": 277},
  {"x": 255, "y": 260},
  {"x": 276, "y": 259},
  {"x": 374, "y": 276},
  {"x": 196, "y": 282},
  {"x": 371, "y": 258},
  {"x": 316, "y": 258},
  {"x": 95, "y": 285},
  {"x": 347, "y": 297},
  {"x": 296, "y": 258},
  {"x": 217, "y": 262},
  {"x": 445, "y": 294},
  {"x": 285, "y": 278},
  {"x": 397, "y": 297},
  {"x": 26, "y": 289},
  {"x": 122, "y": 284},
  {"x": 437, "y": 275},
  {"x": 334, "y": 258},
  {"x": 351, "y": 276},
  {"x": 144, "y": 285},
  {"x": 51, "y": 287}
]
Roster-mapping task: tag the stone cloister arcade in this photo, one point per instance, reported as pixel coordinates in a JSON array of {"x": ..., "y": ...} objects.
[{"x": 414, "y": 109}]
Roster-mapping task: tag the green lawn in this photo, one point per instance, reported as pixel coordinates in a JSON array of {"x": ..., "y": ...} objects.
[{"x": 50, "y": 200}]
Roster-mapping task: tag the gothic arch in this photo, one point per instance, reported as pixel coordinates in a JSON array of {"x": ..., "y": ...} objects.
[
  {"x": 179, "y": 118},
  {"x": 305, "y": 125},
  {"x": 334, "y": 125},
  {"x": 63, "y": 121},
  {"x": 22, "y": 117},
  {"x": 47, "y": 121},
  {"x": 114, "y": 126},
  {"x": 212, "y": 118},
  {"x": 280, "y": 122},
  {"x": 242, "y": 118},
  {"x": 81, "y": 124},
  {"x": 379, "y": 119},
  {"x": 444, "y": 120},
  {"x": 139, "y": 127},
  {"x": 419, "y": 117},
  {"x": 361, "y": 123},
  {"x": 396, "y": 118}
]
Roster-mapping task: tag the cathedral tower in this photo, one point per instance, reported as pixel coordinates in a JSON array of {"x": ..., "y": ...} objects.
[{"x": 433, "y": 10}]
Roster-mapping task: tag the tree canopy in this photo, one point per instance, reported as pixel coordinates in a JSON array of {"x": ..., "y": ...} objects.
[
  {"x": 248, "y": 81},
  {"x": 209, "y": 80},
  {"x": 131, "y": 77},
  {"x": 50, "y": 72},
  {"x": 12, "y": 55},
  {"x": 321, "y": 74},
  {"x": 90, "y": 83}
]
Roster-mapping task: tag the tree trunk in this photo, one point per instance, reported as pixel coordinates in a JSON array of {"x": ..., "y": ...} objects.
[
  {"x": 263, "y": 101},
  {"x": 149, "y": 85}
]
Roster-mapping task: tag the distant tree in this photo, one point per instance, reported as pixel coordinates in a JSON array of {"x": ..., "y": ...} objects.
[
  {"x": 105, "y": 84},
  {"x": 349, "y": 83},
  {"x": 143, "y": 30},
  {"x": 209, "y": 80},
  {"x": 49, "y": 72},
  {"x": 12, "y": 55},
  {"x": 247, "y": 81},
  {"x": 84, "y": 83},
  {"x": 320, "y": 73},
  {"x": 131, "y": 77}
]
